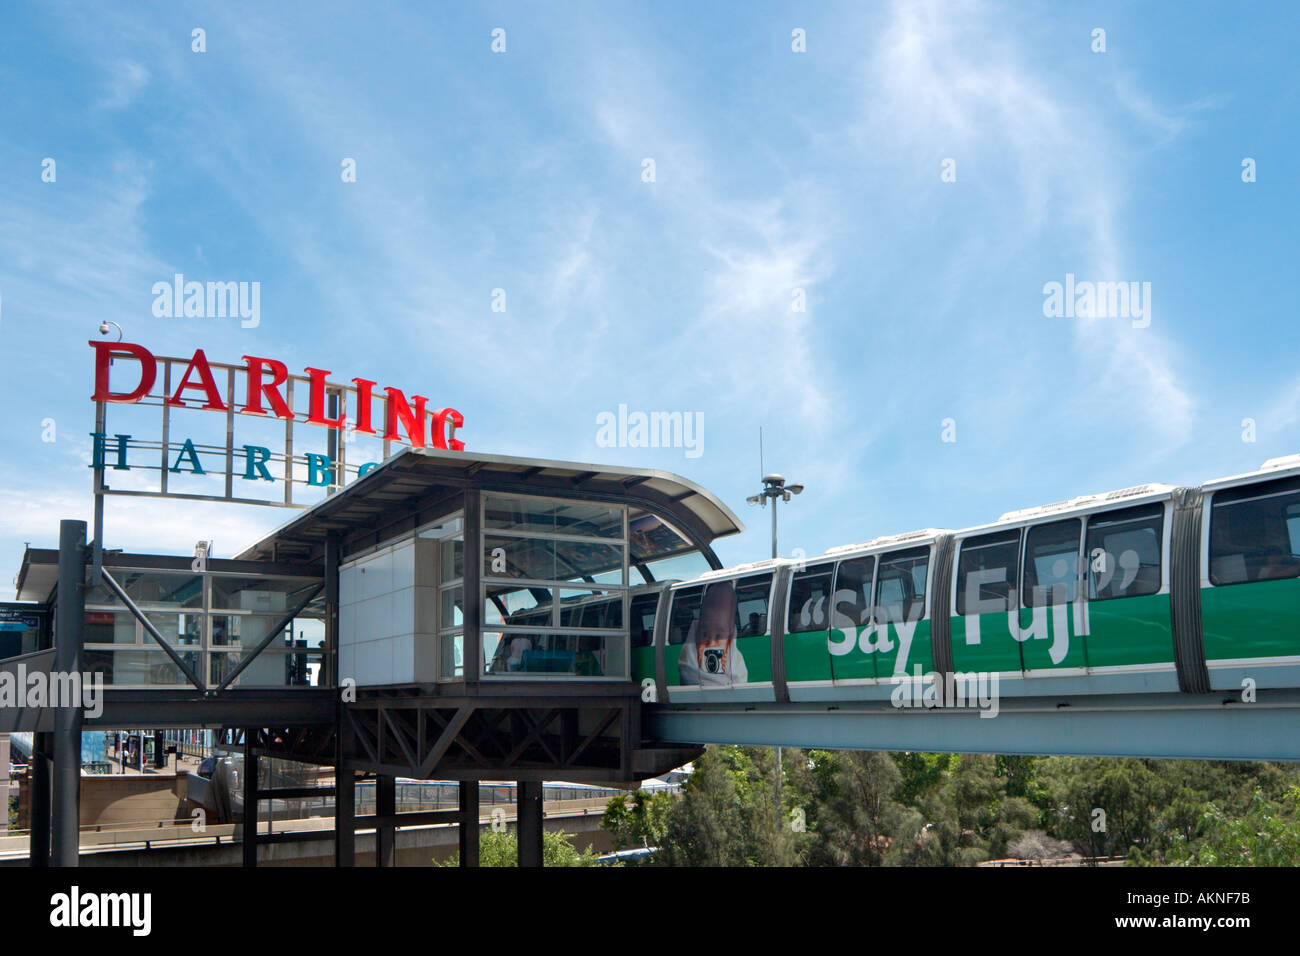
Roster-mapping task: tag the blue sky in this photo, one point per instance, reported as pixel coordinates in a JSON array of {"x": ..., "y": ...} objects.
[{"x": 774, "y": 170}]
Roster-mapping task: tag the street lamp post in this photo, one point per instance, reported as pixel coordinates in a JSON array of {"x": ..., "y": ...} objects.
[{"x": 775, "y": 489}]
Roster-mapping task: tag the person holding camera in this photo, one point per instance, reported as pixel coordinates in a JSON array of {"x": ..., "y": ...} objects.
[{"x": 709, "y": 654}]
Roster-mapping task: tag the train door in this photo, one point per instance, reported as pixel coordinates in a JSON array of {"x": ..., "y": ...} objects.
[
  {"x": 1250, "y": 599},
  {"x": 899, "y": 613},
  {"x": 1126, "y": 610},
  {"x": 807, "y": 625},
  {"x": 985, "y": 604},
  {"x": 1050, "y": 615}
]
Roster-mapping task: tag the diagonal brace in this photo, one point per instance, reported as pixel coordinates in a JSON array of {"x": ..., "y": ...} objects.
[
  {"x": 271, "y": 635},
  {"x": 150, "y": 629}
]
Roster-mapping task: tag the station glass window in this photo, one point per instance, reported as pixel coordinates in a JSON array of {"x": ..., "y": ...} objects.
[
  {"x": 554, "y": 578},
  {"x": 1123, "y": 552},
  {"x": 641, "y": 631}
]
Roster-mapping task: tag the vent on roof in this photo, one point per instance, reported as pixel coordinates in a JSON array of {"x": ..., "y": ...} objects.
[
  {"x": 1131, "y": 492},
  {"x": 741, "y": 568},
  {"x": 1286, "y": 461},
  {"x": 886, "y": 539},
  {"x": 1044, "y": 509},
  {"x": 1082, "y": 501}
]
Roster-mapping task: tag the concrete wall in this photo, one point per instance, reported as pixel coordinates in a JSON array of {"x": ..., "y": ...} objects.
[
  {"x": 117, "y": 799},
  {"x": 416, "y": 846}
]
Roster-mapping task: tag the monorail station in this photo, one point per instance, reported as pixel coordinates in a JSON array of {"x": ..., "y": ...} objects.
[{"x": 528, "y": 678}]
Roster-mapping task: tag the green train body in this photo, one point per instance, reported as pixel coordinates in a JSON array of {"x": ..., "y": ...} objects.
[{"x": 1151, "y": 588}]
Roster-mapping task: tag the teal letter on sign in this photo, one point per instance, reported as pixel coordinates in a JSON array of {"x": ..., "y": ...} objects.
[
  {"x": 320, "y": 470},
  {"x": 98, "y": 450},
  {"x": 188, "y": 452},
  {"x": 257, "y": 462}
]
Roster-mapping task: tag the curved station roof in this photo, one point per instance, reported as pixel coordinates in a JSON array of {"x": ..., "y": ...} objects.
[{"x": 415, "y": 485}]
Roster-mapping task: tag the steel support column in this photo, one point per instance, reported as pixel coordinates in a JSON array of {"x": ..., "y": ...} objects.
[
  {"x": 385, "y": 809},
  {"x": 249, "y": 828},
  {"x": 529, "y": 817},
  {"x": 345, "y": 816},
  {"x": 39, "y": 838},
  {"x": 330, "y": 678},
  {"x": 469, "y": 823},
  {"x": 71, "y": 610},
  {"x": 472, "y": 617}
]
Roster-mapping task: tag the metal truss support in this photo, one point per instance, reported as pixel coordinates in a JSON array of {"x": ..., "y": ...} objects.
[
  {"x": 385, "y": 810},
  {"x": 469, "y": 825},
  {"x": 345, "y": 817},
  {"x": 38, "y": 853},
  {"x": 532, "y": 738},
  {"x": 249, "y": 827},
  {"x": 71, "y": 607},
  {"x": 529, "y": 822}
]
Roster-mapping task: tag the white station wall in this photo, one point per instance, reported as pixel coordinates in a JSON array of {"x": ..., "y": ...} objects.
[{"x": 387, "y": 615}]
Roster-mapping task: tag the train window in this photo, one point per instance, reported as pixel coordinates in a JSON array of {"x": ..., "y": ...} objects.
[
  {"x": 1123, "y": 552},
  {"x": 810, "y": 592},
  {"x": 752, "y": 595},
  {"x": 852, "y": 606},
  {"x": 1254, "y": 533},
  {"x": 642, "y": 628},
  {"x": 1052, "y": 563},
  {"x": 900, "y": 585},
  {"x": 986, "y": 572},
  {"x": 685, "y": 609}
]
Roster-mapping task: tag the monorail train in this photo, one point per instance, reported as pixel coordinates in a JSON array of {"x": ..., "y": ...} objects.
[{"x": 1147, "y": 589}]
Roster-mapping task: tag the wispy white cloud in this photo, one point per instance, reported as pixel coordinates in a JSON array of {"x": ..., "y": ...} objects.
[
  {"x": 946, "y": 80},
  {"x": 126, "y": 78}
]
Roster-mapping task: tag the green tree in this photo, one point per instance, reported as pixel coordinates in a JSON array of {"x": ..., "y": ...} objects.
[
  {"x": 501, "y": 848},
  {"x": 856, "y": 818},
  {"x": 1267, "y": 835},
  {"x": 642, "y": 823},
  {"x": 707, "y": 826}
]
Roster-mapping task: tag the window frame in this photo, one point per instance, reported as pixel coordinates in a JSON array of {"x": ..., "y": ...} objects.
[
  {"x": 960, "y": 550},
  {"x": 880, "y": 557},
  {"x": 1162, "y": 542},
  {"x": 1026, "y": 532},
  {"x": 1272, "y": 487},
  {"x": 810, "y": 569},
  {"x": 874, "y": 558}
]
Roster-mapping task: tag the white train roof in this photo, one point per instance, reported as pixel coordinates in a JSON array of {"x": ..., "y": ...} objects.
[
  {"x": 1283, "y": 467},
  {"x": 925, "y": 534},
  {"x": 741, "y": 569}
]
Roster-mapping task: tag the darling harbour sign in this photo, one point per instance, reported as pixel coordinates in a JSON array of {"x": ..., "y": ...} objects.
[{"x": 255, "y": 452}]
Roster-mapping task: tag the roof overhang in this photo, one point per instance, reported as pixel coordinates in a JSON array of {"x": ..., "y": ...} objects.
[{"x": 408, "y": 489}]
